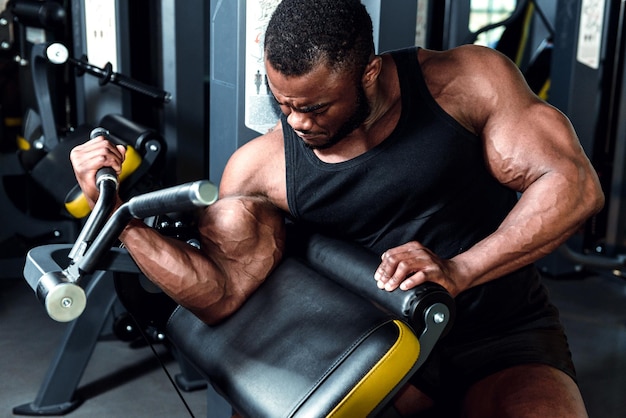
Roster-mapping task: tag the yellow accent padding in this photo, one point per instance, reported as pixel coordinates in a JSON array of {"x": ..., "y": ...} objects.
[
  {"x": 383, "y": 377},
  {"x": 12, "y": 122},
  {"x": 79, "y": 208},
  {"x": 22, "y": 143},
  {"x": 131, "y": 163},
  {"x": 543, "y": 93},
  {"x": 524, "y": 36}
]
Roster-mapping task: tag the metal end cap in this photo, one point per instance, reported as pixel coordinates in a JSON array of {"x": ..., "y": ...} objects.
[{"x": 65, "y": 302}]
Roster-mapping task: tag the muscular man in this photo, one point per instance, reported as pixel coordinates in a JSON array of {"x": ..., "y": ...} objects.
[{"x": 419, "y": 155}]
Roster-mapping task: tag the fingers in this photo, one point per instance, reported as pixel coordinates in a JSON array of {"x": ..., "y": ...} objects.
[
  {"x": 91, "y": 156},
  {"x": 407, "y": 266},
  {"x": 97, "y": 153}
]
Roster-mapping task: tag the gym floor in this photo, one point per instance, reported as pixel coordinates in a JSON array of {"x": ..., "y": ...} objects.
[{"x": 126, "y": 381}]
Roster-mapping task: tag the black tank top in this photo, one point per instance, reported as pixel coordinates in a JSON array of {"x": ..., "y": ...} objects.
[{"x": 427, "y": 181}]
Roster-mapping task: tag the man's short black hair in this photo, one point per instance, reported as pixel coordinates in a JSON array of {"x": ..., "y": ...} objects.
[{"x": 304, "y": 33}]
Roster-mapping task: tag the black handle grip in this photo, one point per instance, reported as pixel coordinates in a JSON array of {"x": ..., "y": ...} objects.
[
  {"x": 107, "y": 75},
  {"x": 106, "y": 182},
  {"x": 106, "y": 174},
  {"x": 99, "y": 131},
  {"x": 353, "y": 267},
  {"x": 139, "y": 87},
  {"x": 173, "y": 199}
]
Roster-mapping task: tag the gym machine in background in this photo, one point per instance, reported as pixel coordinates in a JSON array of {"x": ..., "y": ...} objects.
[
  {"x": 38, "y": 199},
  {"x": 63, "y": 95},
  {"x": 26, "y": 212},
  {"x": 82, "y": 282}
]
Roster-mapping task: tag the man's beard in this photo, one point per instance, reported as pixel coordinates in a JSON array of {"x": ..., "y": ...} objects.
[{"x": 361, "y": 112}]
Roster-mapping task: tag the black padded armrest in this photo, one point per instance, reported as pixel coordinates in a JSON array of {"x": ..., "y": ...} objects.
[
  {"x": 300, "y": 346},
  {"x": 353, "y": 267}
]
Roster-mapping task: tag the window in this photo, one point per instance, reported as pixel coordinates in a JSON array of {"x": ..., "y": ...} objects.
[{"x": 486, "y": 12}]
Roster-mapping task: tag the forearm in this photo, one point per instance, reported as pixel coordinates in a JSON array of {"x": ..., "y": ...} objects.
[
  {"x": 547, "y": 214},
  {"x": 242, "y": 242},
  {"x": 179, "y": 269}
]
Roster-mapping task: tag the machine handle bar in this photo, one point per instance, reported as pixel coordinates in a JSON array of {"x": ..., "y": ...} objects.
[{"x": 180, "y": 198}]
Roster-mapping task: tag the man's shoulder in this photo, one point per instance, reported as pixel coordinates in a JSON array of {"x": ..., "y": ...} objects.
[
  {"x": 257, "y": 168},
  {"x": 270, "y": 145},
  {"x": 464, "y": 58},
  {"x": 469, "y": 82},
  {"x": 469, "y": 58},
  {"x": 468, "y": 69}
]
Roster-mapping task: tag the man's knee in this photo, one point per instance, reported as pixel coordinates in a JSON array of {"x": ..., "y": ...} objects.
[
  {"x": 410, "y": 401},
  {"x": 532, "y": 390}
]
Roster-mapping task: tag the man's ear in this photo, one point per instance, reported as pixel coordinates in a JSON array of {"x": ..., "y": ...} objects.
[{"x": 372, "y": 70}]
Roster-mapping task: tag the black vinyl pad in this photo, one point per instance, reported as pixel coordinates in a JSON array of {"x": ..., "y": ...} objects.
[{"x": 298, "y": 345}]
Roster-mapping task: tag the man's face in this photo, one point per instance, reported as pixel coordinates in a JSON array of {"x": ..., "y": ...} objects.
[{"x": 323, "y": 106}]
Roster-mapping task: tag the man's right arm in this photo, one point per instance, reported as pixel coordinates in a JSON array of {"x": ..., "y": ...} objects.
[{"x": 242, "y": 240}]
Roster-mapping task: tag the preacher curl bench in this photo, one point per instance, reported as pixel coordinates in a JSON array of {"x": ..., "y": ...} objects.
[{"x": 317, "y": 339}]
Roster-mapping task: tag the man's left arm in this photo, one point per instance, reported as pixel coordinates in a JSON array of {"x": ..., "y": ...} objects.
[
  {"x": 532, "y": 148},
  {"x": 559, "y": 189}
]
